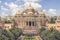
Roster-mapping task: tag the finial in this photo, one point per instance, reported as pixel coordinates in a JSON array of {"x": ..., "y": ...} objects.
[{"x": 30, "y": 6}]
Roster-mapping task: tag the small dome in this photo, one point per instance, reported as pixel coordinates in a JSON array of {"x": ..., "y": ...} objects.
[
  {"x": 42, "y": 13},
  {"x": 18, "y": 13}
]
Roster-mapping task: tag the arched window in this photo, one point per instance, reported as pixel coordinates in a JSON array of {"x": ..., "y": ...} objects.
[
  {"x": 33, "y": 23},
  {"x": 30, "y": 23},
  {"x": 27, "y": 23}
]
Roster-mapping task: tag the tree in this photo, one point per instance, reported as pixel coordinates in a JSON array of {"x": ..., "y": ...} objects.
[
  {"x": 41, "y": 29},
  {"x": 8, "y": 34},
  {"x": 3, "y": 37},
  {"x": 51, "y": 34},
  {"x": 16, "y": 32},
  {"x": 12, "y": 34},
  {"x": 52, "y": 20}
]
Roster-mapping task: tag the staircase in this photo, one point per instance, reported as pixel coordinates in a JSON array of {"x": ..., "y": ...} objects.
[{"x": 30, "y": 31}]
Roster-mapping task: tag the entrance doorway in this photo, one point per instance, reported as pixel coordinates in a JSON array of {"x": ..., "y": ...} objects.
[{"x": 30, "y": 23}]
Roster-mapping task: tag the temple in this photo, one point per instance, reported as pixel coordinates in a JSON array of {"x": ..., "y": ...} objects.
[{"x": 30, "y": 20}]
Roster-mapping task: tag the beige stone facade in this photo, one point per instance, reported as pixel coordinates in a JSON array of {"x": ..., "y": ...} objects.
[
  {"x": 7, "y": 26},
  {"x": 30, "y": 19},
  {"x": 55, "y": 25}
]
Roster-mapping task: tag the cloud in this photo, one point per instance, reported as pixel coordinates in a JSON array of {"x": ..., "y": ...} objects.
[
  {"x": 34, "y": 5},
  {"x": 12, "y": 7},
  {"x": 4, "y": 11},
  {"x": 4, "y": 14},
  {"x": 3, "y": 8},
  {"x": 6, "y": 3},
  {"x": 0, "y": 1},
  {"x": 44, "y": 10},
  {"x": 31, "y": 0},
  {"x": 52, "y": 11}
]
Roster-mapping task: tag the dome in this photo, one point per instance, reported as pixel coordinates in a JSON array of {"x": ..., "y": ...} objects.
[{"x": 30, "y": 10}]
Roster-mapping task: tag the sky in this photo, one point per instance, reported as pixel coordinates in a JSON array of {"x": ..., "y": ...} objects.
[{"x": 49, "y": 7}]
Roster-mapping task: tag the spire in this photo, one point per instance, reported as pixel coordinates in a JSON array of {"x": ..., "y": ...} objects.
[
  {"x": 29, "y": 9},
  {"x": 30, "y": 6}
]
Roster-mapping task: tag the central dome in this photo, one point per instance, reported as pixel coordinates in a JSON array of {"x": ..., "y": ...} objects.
[{"x": 30, "y": 10}]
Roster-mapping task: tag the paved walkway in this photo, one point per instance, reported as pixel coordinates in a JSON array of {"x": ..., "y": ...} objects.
[{"x": 37, "y": 37}]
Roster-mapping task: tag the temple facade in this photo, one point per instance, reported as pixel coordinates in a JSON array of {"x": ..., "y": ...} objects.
[{"x": 30, "y": 18}]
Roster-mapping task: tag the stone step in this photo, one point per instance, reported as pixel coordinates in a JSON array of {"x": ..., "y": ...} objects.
[
  {"x": 29, "y": 28},
  {"x": 29, "y": 32}
]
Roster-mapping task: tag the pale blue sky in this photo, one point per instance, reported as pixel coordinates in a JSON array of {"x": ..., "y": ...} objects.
[{"x": 50, "y": 7}]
